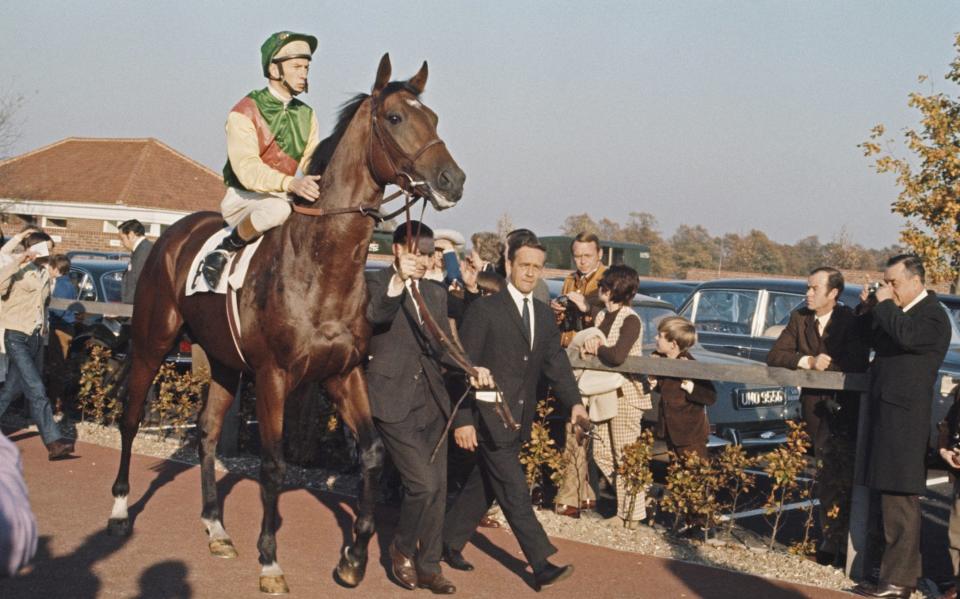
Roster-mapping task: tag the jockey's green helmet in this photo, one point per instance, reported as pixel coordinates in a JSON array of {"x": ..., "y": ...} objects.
[{"x": 285, "y": 45}]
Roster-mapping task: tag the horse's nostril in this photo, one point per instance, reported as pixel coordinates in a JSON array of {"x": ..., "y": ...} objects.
[{"x": 444, "y": 181}]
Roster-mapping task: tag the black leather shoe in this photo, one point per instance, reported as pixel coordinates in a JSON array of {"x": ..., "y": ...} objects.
[
  {"x": 59, "y": 449},
  {"x": 551, "y": 575},
  {"x": 884, "y": 589},
  {"x": 455, "y": 559},
  {"x": 437, "y": 584},
  {"x": 212, "y": 268},
  {"x": 403, "y": 569}
]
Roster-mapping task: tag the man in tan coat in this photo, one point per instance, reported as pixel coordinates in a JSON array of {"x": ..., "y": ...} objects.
[{"x": 576, "y": 313}]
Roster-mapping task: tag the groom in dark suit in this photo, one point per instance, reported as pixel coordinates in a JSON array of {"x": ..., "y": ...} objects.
[
  {"x": 910, "y": 335},
  {"x": 516, "y": 337},
  {"x": 410, "y": 404}
]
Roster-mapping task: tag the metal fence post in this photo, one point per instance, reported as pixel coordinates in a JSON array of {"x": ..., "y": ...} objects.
[{"x": 860, "y": 499}]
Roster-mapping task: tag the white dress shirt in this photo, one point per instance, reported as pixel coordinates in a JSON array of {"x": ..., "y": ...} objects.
[{"x": 518, "y": 300}]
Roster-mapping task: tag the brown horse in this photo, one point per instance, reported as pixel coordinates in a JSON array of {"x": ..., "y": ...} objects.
[{"x": 301, "y": 308}]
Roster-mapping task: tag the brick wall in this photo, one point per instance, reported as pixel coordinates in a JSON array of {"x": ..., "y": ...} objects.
[{"x": 79, "y": 234}]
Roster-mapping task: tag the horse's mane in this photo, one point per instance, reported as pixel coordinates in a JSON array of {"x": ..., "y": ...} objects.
[{"x": 324, "y": 152}]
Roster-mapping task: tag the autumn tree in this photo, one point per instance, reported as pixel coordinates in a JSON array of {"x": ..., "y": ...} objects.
[
  {"x": 753, "y": 252},
  {"x": 579, "y": 223},
  {"x": 929, "y": 182},
  {"x": 694, "y": 247}
]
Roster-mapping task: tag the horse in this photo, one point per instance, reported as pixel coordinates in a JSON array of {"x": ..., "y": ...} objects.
[{"x": 301, "y": 309}]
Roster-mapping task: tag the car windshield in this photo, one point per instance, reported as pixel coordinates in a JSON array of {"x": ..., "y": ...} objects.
[
  {"x": 112, "y": 283},
  {"x": 954, "y": 327}
]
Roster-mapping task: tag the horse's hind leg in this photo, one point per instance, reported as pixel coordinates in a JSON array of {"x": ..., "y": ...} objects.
[
  {"x": 223, "y": 386},
  {"x": 349, "y": 392},
  {"x": 152, "y": 338},
  {"x": 272, "y": 391}
]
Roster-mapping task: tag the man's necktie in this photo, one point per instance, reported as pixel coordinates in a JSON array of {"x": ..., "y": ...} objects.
[{"x": 526, "y": 320}]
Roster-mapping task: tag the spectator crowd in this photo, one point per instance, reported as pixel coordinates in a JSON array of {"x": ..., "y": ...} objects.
[{"x": 492, "y": 300}]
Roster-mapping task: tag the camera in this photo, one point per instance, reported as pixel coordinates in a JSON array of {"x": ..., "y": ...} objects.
[
  {"x": 872, "y": 288},
  {"x": 572, "y": 316}
]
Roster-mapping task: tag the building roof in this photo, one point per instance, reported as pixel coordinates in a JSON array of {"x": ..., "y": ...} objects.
[{"x": 142, "y": 173}]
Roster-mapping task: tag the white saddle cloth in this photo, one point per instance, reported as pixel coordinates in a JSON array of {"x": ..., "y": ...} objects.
[{"x": 197, "y": 284}]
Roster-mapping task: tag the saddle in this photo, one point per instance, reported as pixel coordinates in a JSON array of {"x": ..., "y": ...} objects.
[{"x": 237, "y": 265}]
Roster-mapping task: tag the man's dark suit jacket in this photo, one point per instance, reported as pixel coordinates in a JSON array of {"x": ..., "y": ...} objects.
[
  {"x": 909, "y": 350},
  {"x": 401, "y": 350},
  {"x": 137, "y": 258},
  {"x": 843, "y": 340},
  {"x": 492, "y": 335}
]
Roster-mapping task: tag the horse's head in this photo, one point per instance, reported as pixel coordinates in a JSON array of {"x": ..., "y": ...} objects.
[{"x": 408, "y": 150}]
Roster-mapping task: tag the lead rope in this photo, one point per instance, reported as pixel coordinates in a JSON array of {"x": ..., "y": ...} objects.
[{"x": 453, "y": 349}]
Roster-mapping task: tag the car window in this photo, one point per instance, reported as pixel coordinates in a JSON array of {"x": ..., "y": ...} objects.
[
  {"x": 112, "y": 285},
  {"x": 651, "y": 317},
  {"x": 673, "y": 297},
  {"x": 779, "y": 307},
  {"x": 82, "y": 281},
  {"x": 726, "y": 311}
]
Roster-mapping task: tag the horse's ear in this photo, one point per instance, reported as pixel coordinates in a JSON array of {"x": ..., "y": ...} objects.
[
  {"x": 419, "y": 81},
  {"x": 383, "y": 73}
]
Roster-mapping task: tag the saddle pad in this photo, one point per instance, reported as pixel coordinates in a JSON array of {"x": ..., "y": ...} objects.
[{"x": 197, "y": 284}]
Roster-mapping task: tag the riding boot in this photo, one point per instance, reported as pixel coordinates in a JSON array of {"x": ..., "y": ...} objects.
[{"x": 216, "y": 261}]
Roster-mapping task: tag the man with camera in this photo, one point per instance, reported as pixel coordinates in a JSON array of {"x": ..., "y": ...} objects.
[
  {"x": 575, "y": 308},
  {"x": 825, "y": 335},
  {"x": 910, "y": 333}
]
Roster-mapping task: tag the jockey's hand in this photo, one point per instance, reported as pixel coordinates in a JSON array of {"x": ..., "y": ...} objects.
[
  {"x": 483, "y": 380},
  {"x": 466, "y": 437},
  {"x": 306, "y": 187}
]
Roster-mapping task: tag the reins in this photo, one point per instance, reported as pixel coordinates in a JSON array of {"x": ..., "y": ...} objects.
[{"x": 408, "y": 187}]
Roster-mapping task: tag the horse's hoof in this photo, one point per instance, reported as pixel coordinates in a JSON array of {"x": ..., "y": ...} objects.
[
  {"x": 274, "y": 585},
  {"x": 351, "y": 571},
  {"x": 118, "y": 527},
  {"x": 222, "y": 548}
]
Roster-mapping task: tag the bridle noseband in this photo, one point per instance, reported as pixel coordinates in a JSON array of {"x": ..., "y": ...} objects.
[{"x": 401, "y": 177}]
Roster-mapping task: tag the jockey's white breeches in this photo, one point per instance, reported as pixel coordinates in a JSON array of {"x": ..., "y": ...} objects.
[{"x": 265, "y": 210}]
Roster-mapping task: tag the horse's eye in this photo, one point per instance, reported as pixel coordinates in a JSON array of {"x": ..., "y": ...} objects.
[{"x": 394, "y": 118}]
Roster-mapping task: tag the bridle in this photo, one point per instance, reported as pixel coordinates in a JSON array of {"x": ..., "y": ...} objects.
[{"x": 401, "y": 170}]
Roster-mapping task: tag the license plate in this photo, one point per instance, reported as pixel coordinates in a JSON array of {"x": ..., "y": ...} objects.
[{"x": 757, "y": 398}]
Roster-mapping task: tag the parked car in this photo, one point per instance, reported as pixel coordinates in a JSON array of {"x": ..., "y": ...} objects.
[
  {"x": 952, "y": 304},
  {"x": 673, "y": 292},
  {"x": 751, "y": 415},
  {"x": 99, "y": 278},
  {"x": 744, "y": 317}
]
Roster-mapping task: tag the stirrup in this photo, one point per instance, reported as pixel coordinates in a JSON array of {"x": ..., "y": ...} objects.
[{"x": 212, "y": 267}]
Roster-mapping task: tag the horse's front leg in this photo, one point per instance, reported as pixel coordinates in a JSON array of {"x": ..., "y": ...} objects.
[
  {"x": 272, "y": 389},
  {"x": 349, "y": 393},
  {"x": 223, "y": 386}
]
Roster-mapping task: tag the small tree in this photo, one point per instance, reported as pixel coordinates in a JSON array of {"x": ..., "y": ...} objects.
[
  {"x": 784, "y": 466},
  {"x": 930, "y": 184},
  {"x": 92, "y": 398},
  {"x": 732, "y": 464},
  {"x": 634, "y": 468},
  {"x": 540, "y": 451}
]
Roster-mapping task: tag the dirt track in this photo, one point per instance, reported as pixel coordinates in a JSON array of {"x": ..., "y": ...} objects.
[{"x": 167, "y": 557}]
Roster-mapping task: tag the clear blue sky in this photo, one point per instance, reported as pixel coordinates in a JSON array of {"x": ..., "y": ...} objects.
[{"x": 733, "y": 115}]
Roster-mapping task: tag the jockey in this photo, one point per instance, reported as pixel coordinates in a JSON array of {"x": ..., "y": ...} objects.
[{"x": 269, "y": 134}]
